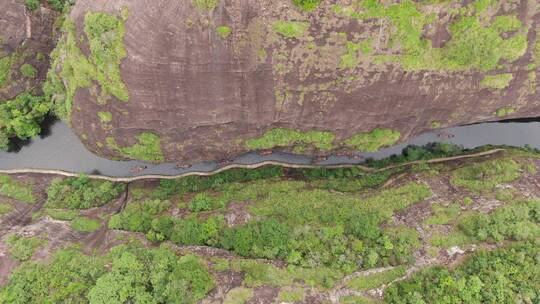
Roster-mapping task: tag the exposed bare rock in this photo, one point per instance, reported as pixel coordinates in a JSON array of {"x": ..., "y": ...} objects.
[{"x": 205, "y": 95}]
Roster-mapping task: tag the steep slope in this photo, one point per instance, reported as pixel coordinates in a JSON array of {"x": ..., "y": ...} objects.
[{"x": 188, "y": 81}]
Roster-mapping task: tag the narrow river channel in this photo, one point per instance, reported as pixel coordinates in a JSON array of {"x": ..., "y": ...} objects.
[{"x": 62, "y": 150}]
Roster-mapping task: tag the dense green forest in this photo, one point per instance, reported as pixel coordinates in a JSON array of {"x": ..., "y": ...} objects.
[{"x": 303, "y": 233}]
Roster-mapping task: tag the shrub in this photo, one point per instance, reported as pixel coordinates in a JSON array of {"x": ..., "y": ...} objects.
[
  {"x": 307, "y": 5},
  {"x": 139, "y": 216},
  {"x": 201, "y": 202},
  {"x": 22, "y": 248},
  {"x": 5, "y": 208},
  {"x": 32, "y": 4},
  {"x": 59, "y": 5},
  {"x": 223, "y": 31},
  {"x": 81, "y": 193},
  {"x": 502, "y": 276},
  {"x": 29, "y": 70}
]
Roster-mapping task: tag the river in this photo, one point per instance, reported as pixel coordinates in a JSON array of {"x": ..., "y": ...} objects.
[{"x": 61, "y": 149}]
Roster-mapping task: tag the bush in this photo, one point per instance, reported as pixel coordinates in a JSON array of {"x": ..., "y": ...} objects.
[
  {"x": 32, "y": 4},
  {"x": 81, "y": 193},
  {"x": 138, "y": 216},
  {"x": 22, "y": 248},
  {"x": 29, "y": 71},
  {"x": 59, "y": 5},
  {"x": 307, "y": 5},
  {"x": 201, "y": 202},
  {"x": 506, "y": 275}
]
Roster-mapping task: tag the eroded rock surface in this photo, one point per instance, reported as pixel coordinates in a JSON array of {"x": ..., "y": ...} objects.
[{"x": 340, "y": 68}]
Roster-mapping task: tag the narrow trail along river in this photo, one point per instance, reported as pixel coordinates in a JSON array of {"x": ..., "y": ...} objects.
[{"x": 62, "y": 151}]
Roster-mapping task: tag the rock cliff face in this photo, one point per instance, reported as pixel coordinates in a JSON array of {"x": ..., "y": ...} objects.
[
  {"x": 199, "y": 80},
  {"x": 26, "y": 38}
]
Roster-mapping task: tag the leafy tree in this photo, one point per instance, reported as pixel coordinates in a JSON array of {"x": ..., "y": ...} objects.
[{"x": 21, "y": 117}]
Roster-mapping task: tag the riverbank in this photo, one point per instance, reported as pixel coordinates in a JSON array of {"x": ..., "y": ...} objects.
[{"x": 250, "y": 166}]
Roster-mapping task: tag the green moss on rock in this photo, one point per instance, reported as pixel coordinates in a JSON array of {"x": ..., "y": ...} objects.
[
  {"x": 105, "y": 117},
  {"x": 148, "y": 147},
  {"x": 505, "y": 111},
  {"x": 72, "y": 70},
  {"x": 374, "y": 140},
  {"x": 290, "y": 29},
  {"x": 288, "y": 137},
  {"x": 224, "y": 31}
]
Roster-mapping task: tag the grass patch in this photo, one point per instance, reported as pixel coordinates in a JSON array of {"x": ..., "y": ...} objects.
[
  {"x": 16, "y": 190},
  {"x": 29, "y": 71},
  {"x": 454, "y": 238},
  {"x": 486, "y": 175},
  {"x": 376, "y": 280},
  {"x": 279, "y": 137},
  {"x": 442, "y": 215},
  {"x": 497, "y": 82},
  {"x": 374, "y": 140},
  {"x": 85, "y": 224},
  {"x": 148, "y": 147},
  {"x": 505, "y": 111},
  {"x": 259, "y": 274},
  {"x": 22, "y": 248},
  {"x": 61, "y": 214},
  {"x": 290, "y": 29},
  {"x": 5, "y": 69},
  {"x": 291, "y": 294},
  {"x": 238, "y": 295},
  {"x": 5, "y": 208},
  {"x": 224, "y": 31},
  {"x": 358, "y": 300}
]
